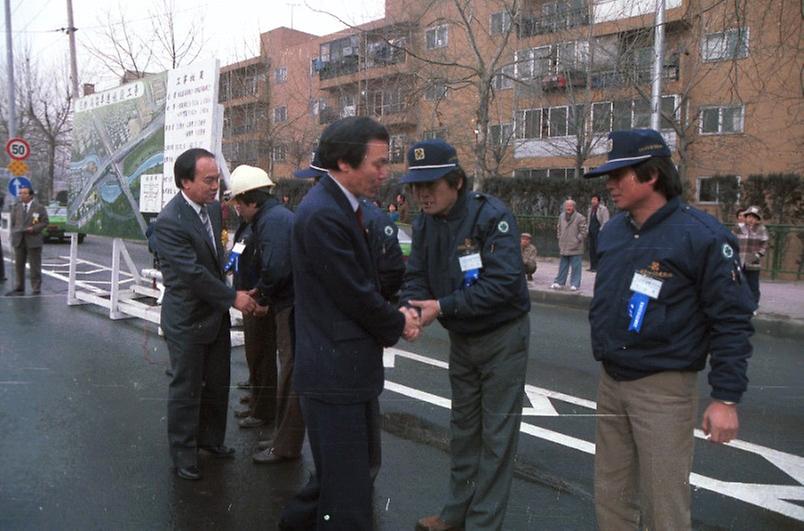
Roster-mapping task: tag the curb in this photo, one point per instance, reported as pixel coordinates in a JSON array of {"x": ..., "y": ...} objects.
[{"x": 770, "y": 324}]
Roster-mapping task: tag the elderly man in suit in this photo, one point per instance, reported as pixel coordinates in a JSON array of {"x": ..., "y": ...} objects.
[
  {"x": 195, "y": 313},
  {"x": 342, "y": 324},
  {"x": 28, "y": 220}
]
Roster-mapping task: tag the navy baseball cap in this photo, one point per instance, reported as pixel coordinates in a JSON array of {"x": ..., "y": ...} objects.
[
  {"x": 314, "y": 170},
  {"x": 628, "y": 148},
  {"x": 429, "y": 160}
]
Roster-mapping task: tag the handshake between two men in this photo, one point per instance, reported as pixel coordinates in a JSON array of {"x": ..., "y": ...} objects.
[{"x": 418, "y": 315}]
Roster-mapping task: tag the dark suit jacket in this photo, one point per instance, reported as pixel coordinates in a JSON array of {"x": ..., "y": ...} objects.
[
  {"x": 20, "y": 221},
  {"x": 197, "y": 298},
  {"x": 342, "y": 320}
]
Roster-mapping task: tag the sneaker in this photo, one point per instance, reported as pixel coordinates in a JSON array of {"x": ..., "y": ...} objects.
[
  {"x": 555, "y": 285},
  {"x": 573, "y": 288}
]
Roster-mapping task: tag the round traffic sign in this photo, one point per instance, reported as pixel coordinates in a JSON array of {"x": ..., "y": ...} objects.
[
  {"x": 18, "y": 149},
  {"x": 16, "y": 183}
]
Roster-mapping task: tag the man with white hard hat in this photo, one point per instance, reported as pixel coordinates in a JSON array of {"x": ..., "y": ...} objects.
[{"x": 271, "y": 225}]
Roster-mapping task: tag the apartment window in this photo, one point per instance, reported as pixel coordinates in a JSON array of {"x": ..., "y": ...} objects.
[
  {"x": 530, "y": 123},
  {"x": 437, "y": 37},
  {"x": 642, "y": 113},
  {"x": 534, "y": 63},
  {"x": 530, "y": 173},
  {"x": 280, "y": 114},
  {"x": 279, "y": 153},
  {"x": 281, "y": 74},
  {"x": 436, "y": 90},
  {"x": 562, "y": 174},
  {"x": 504, "y": 79},
  {"x": 397, "y": 148},
  {"x": 500, "y": 134},
  {"x": 722, "y": 120},
  {"x": 729, "y": 44},
  {"x": 709, "y": 189},
  {"x": 432, "y": 134},
  {"x": 601, "y": 117},
  {"x": 500, "y": 22},
  {"x": 558, "y": 121}
]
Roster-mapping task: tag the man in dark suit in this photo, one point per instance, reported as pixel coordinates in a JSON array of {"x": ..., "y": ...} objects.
[
  {"x": 28, "y": 220},
  {"x": 195, "y": 312},
  {"x": 342, "y": 324}
]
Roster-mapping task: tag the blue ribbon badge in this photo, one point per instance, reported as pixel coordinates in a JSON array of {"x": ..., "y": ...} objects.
[
  {"x": 470, "y": 262},
  {"x": 643, "y": 289},
  {"x": 234, "y": 257}
]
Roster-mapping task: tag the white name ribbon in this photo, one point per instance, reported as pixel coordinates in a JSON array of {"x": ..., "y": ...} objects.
[
  {"x": 238, "y": 248},
  {"x": 646, "y": 285},
  {"x": 470, "y": 261}
]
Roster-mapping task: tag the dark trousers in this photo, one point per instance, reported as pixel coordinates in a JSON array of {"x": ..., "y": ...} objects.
[
  {"x": 593, "y": 250},
  {"x": 198, "y": 395},
  {"x": 2, "y": 262},
  {"x": 487, "y": 377},
  {"x": 289, "y": 434},
  {"x": 32, "y": 255},
  {"x": 260, "y": 338},
  {"x": 752, "y": 277},
  {"x": 338, "y": 497}
]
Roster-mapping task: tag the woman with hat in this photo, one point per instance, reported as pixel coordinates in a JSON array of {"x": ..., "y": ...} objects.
[{"x": 753, "y": 238}]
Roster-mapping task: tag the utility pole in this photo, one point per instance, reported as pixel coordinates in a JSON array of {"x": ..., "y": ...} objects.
[
  {"x": 71, "y": 29},
  {"x": 292, "y": 7},
  {"x": 658, "y": 67},
  {"x": 12, "y": 90}
]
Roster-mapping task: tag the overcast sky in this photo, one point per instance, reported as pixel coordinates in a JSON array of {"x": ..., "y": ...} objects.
[{"x": 230, "y": 27}]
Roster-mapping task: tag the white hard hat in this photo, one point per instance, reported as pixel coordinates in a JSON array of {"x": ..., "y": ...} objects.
[{"x": 245, "y": 178}]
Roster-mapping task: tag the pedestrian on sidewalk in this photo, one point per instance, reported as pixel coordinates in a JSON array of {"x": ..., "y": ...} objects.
[
  {"x": 678, "y": 269},
  {"x": 28, "y": 220},
  {"x": 530, "y": 255},
  {"x": 571, "y": 233},
  {"x": 597, "y": 215},
  {"x": 465, "y": 268},
  {"x": 753, "y": 240}
]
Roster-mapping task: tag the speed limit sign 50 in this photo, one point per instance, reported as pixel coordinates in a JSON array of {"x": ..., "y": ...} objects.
[{"x": 18, "y": 149}]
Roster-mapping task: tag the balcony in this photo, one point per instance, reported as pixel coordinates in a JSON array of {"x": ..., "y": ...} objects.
[
  {"x": 633, "y": 76},
  {"x": 347, "y": 65},
  {"x": 328, "y": 115},
  {"x": 531, "y": 25}
]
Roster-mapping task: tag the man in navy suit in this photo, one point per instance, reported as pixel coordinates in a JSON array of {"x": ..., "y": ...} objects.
[
  {"x": 342, "y": 324},
  {"x": 195, "y": 312}
]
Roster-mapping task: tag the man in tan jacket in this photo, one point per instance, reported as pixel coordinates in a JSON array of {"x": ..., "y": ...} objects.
[{"x": 571, "y": 231}]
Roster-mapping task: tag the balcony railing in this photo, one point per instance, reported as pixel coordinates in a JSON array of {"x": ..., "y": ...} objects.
[
  {"x": 530, "y": 25},
  {"x": 630, "y": 76}
]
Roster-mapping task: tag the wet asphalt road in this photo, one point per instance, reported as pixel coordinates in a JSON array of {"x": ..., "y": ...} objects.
[{"x": 83, "y": 444}]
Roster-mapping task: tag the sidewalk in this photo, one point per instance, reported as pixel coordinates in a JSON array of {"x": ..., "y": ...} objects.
[{"x": 781, "y": 308}]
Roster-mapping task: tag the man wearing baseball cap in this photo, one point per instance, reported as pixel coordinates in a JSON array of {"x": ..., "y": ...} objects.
[
  {"x": 668, "y": 294},
  {"x": 465, "y": 269},
  {"x": 271, "y": 225}
]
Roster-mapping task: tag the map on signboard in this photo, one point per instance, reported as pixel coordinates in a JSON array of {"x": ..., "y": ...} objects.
[
  {"x": 125, "y": 142},
  {"x": 118, "y": 136}
]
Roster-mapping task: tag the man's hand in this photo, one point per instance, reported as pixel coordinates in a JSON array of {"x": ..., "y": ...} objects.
[
  {"x": 720, "y": 422},
  {"x": 244, "y": 302},
  {"x": 413, "y": 325},
  {"x": 429, "y": 310},
  {"x": 261, "y": 311}
]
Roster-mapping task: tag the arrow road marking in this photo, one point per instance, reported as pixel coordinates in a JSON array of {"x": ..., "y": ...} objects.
[{"x": 776, "y": 498}]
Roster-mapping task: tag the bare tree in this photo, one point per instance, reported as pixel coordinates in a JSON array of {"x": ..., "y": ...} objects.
[{"x": 124, "y": 49}]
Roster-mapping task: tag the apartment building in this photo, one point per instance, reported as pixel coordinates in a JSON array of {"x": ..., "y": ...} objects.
[{"x": 531, "y": 88}]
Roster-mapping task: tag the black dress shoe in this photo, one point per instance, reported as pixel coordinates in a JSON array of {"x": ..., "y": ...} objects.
[
  {"x": 221, "y": 452},
  {"x": 190, "y": 473}
]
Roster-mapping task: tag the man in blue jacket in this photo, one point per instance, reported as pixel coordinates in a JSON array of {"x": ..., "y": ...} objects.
[
  {"x": 342, "y": 324},
  {"x": 465, "y": 269},
  {"x": 668, "y": 294}
]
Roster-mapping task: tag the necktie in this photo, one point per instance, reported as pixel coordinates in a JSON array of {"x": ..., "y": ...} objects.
[
  {"x": 205, "y": 220},
  {"x": 359, "y": 216}
]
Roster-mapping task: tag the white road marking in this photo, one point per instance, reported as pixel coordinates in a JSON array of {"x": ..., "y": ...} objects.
[{"x": 776, "y": 498}]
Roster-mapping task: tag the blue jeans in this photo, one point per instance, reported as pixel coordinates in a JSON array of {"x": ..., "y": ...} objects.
[{"x": 567, "y": 262}]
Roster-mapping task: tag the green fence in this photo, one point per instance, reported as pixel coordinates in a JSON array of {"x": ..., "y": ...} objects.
[{"x": 784, "y": 259}]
